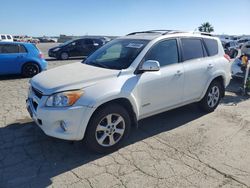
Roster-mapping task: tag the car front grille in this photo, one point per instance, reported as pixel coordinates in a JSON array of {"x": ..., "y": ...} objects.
[{"x": 38, "y": 93}]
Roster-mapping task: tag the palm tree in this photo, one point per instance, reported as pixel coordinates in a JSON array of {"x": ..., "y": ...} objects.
[{"x": 206, "y": 27}]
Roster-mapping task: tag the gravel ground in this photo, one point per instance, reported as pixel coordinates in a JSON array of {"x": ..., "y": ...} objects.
[{"x": 179, "y": 148}]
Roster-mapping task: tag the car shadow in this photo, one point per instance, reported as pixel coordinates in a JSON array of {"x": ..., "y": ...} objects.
[
  {"x": 30, "y": 158},
  {"x": 11, "y": 77}
]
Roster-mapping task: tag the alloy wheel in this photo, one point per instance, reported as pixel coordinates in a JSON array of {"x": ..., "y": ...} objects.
[
  {"x": 110, "y": 130},
  {"x": 213, "y": 96}
]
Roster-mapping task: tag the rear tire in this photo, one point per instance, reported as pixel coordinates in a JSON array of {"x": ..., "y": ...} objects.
[
  {"x": 212, "y": 97},
  {"x": 108, "y": 128},
  {"x": 30, "y": 69}
]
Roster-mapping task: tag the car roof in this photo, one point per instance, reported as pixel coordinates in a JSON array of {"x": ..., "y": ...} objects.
[
  {"x": 91, "y": 38},
  {"x": 6, "y": 42},
  {"x": 153, "y": 34}
]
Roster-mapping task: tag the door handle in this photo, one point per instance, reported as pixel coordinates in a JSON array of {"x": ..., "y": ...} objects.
[
  {"x": 178, "y": 73},
  {"x": 210, "y": 66}
]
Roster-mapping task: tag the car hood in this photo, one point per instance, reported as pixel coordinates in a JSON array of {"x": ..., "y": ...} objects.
[
  {"x": 55, "y": 47},
  {"x": 70, "y": 77}
]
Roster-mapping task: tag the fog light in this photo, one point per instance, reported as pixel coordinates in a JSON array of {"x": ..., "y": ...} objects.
[{"x": 63, "y": 125}]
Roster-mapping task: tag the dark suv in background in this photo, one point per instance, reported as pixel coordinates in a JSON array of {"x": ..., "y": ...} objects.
[{"x": 77, "y": 48}]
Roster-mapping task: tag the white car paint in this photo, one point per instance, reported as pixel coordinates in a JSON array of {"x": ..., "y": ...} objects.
[
  {"x": 6, "y": 38},
  {"x": 149, "y": 93}
]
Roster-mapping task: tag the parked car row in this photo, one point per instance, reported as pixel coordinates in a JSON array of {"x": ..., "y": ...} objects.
[
  {"x": 26, "y": 59},
  {"x": 132, "y": 73},
  {"x": 21, "y": 58},
  {"x": 128, "y": 79},
  {"x": 20, "y": 38},
  {"x": 237, "y": 68},
  {"x": 46, "y": 39},
  {"x": 243, "y": 40},
  {"x": 6, "y": 38},
  {"x": 231, "y": 48},
  {"x": 25, "y": 38}
]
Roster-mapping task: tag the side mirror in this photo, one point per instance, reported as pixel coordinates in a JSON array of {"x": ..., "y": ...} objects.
[{"x": 150, "y": 65}]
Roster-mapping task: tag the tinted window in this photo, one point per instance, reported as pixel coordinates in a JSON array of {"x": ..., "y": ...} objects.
[
  {"x": 212, "y": 46},
  {"x": 3, "y": 37},
  {"x": 98, "y": 41},
  {"x": 80, "y": 42},
  {"x": 88, "y": 41},
  {"x": 166, "y": 52},
  {"x": 191, "y": 49},
  {"x": 8, "y": 37},
  {"x": 9, "y": 48},
  {"x": 22, "y": 49}
]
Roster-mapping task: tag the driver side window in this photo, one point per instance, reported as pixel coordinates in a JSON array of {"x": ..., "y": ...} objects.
[{"x": 165, "y": 52}]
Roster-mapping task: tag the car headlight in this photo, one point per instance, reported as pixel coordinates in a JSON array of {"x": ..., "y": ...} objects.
[
  {"x": 55, "y": 50},
  {"x": 64, "y": 99}
]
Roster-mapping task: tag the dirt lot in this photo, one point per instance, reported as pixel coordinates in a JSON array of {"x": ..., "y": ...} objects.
[{"x": 180, "y": 148}]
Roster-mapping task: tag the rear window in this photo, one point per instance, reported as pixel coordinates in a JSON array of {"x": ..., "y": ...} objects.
[
  {"x": 212, "y": 46},
  {"x": 192, "y": 48},
  {"x": 22, "y": 49},
  {"x": 36, "y": 47}
]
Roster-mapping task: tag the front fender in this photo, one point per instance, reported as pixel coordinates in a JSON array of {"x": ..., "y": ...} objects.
[
  {"x": 114, "y": 96},
  {"x": 96, "y": 95}
]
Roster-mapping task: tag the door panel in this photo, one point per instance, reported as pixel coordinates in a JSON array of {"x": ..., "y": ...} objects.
[
  {"x": 197, "y": 74},
  {"x": 162, "y": 89},
  {"x": 10, "y": 59},
  {"x": 196, "y": 68}
]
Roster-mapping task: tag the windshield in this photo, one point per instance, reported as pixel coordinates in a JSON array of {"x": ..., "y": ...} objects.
[
  {"x": 67, "y": 42},
  {"x": 117, "y": 54}
]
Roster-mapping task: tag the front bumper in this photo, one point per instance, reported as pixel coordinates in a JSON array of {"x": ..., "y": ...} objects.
[
  {"x": 52, "y": 54},
  {"x": 44, "y": 65},
  {"x": 50, "y": 119}
]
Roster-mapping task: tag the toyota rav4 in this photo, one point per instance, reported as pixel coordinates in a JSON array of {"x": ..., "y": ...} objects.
[{"x": 126, "y": 80}]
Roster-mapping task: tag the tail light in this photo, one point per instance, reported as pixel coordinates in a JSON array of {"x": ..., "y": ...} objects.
[
  {"x": 227, "y": 57},
  {"x": 40, "y": 55}
]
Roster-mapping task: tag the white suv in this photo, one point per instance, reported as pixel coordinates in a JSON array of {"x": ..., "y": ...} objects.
[{"x": 126, "y": 80}]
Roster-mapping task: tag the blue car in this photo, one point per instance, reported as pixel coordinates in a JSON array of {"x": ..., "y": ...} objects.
[{"x": 21, "y": 58}]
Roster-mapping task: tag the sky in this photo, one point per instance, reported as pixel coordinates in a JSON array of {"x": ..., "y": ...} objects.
[{"x": 119, "y": 17}]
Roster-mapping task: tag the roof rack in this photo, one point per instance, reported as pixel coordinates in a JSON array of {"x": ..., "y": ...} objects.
[
  {"x": 203, "y": 33},
  {"x": 161, "y": 31},
  {"x": 140, "y": 32}
]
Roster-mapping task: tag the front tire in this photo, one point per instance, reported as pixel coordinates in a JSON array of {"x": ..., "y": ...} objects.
[
  {"x": 30, "y": 69},
  {"x": 212, "y": 97},
  {"x": 108, "y": 129},
  {"x": 64, "y": 56}
]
